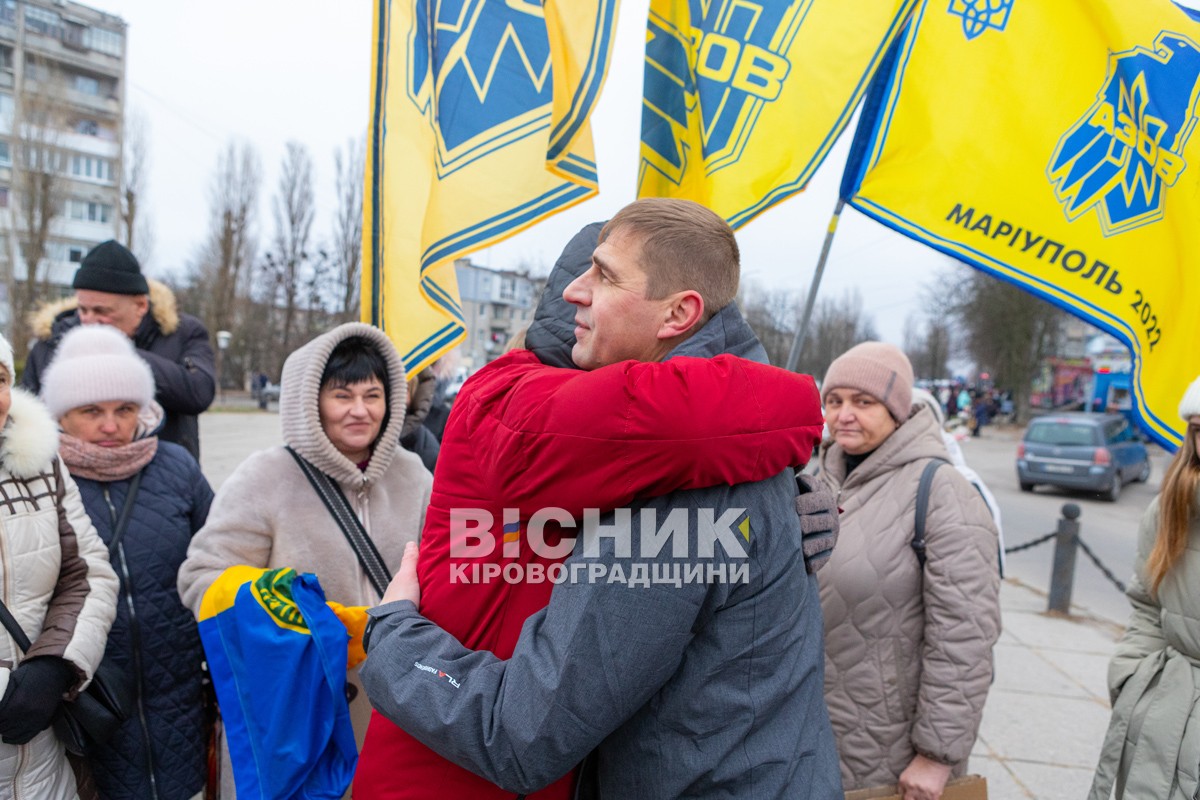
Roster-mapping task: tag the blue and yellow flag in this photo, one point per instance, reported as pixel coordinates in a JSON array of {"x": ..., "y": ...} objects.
[
  {"x": 744, "y": 98},
  {"x": 1051, "y": 144},
  {"x": 277, "y": 656},
  {"x": 479, "y": 129}
]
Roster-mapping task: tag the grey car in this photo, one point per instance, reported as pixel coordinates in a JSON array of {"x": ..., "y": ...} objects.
[{"x": 1090, "y": 452}]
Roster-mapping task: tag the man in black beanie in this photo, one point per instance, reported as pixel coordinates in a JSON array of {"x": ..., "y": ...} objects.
[{"x": 111, "y": 290}]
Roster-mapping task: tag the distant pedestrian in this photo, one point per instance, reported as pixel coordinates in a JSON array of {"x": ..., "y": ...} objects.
[
  {"x": 908, "y": 635},
  {"x": 102, "y": 394},
  {"x": 1152, "y": 748},
  {"x": 111, "y": 290}
]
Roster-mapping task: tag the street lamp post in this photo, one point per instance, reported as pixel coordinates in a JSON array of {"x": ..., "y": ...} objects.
[{"x": 223, "y": 338}]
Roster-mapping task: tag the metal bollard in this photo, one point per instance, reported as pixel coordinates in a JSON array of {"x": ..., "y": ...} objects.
[{"x": 1062, "y": 576}]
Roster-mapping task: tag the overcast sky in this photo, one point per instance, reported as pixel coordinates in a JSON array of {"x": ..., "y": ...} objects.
[{"x": 267, "y": 71}]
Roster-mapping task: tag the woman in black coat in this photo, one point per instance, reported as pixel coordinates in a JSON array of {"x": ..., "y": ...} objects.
[{"x": 102, "y": 394}]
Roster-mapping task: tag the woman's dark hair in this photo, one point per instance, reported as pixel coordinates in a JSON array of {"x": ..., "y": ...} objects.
[{"x": 354, "y": 360}]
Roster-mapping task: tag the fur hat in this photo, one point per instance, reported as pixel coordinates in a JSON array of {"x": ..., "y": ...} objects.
[
  {"x": 878, "y": 369},
  {"x": 95, "y": 364},
  {"x": 110, "y": 267},
  {"x": 6, "y": 358},
  {"x": 1189, "y": 406}
]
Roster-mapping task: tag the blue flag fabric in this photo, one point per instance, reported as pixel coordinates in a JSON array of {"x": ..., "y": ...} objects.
[{"x": 277, "y": 655}]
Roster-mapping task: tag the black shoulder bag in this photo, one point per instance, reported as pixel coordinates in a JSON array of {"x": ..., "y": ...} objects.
[
  {"x": 96, "y": 713},
  {"x": 339, "y": 508}
]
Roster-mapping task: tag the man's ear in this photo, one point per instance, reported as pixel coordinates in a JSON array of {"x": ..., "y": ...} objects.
[
  {"x": 685, "y": 311},
  {"x": 142, "y": 303}
]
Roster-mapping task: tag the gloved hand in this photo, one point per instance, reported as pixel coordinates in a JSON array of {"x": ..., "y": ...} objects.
[
  {"x": 35, "y": 691},
  {"x": 817, "y": 508}
]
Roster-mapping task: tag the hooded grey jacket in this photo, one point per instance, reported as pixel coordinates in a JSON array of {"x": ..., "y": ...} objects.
[{"x": 700, "y": 689}]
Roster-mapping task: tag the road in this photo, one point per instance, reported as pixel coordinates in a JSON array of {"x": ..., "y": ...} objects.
[{"x": 1109, "y": 529}]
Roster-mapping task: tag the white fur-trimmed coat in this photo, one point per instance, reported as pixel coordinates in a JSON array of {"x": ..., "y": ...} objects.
[{"x": 55, "y": 579}]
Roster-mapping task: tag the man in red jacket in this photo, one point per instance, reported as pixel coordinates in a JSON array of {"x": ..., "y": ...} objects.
[{"x": 525, "y": 436}]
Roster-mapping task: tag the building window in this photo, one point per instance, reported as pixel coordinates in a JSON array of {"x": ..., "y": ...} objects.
[
  {"x": 102, "y": 41},
  {"x": 75, "y": 255},
  {"x": 5, "y": 153},
  {"x": 40, "y": 20},
  {"x": 3, "y": 197},
  {"x": 86, "y": 211},
  {"x": 88, "y": 127},
  {"x": 86, "y": 84},
  {"x": 99, "y": 169},
  {"x": 7, "y": 107},
  {"x": 8, "y": 11}
]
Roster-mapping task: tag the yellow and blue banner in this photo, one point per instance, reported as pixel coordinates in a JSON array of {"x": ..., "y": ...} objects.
[
  {"x": 479, "y": 129},
  {"x": 1051, "y": 144},
  {"x": 744, "y": 98},
  {"x": 270, "y": 639}
]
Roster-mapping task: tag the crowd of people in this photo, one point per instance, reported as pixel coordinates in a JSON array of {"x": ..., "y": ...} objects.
[{"x": 613, "y": 574}]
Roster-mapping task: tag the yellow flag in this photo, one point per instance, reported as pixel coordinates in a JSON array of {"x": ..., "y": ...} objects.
[
  {"x": 479, "y": 129},
  {"x": 1050, "y": 144},
  {"x": 744, "y": 98}
]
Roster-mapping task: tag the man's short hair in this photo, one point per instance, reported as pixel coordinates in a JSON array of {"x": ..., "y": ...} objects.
[{"x": 683, "y": 246}]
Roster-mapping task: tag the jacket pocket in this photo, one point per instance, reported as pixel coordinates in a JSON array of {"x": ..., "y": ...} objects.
[{"x": 898, "y": 691}]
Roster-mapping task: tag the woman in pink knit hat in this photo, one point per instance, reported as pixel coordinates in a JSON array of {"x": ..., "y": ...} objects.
[{"x": 909, "y": 625}]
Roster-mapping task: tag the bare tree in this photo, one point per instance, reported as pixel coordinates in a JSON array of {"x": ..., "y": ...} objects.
[
  {"x": 1006, "y": 330},
  {"x": 135, "y": 217},
  {"x": 927, "y": 341},
  {"x": 40, "y": 190},
  {"x": 838, "y": 323},
  {"x": 349, "y": 166},
  {"x": 229, "y": 248},
  {"x": 293, "y": 209},
  {"x": 773, "y": 315}
]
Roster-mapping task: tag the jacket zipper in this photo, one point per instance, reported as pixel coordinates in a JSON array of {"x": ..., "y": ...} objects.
[
  {"x": 22, "y": 749},
  {"x": 136, "y": 640}
]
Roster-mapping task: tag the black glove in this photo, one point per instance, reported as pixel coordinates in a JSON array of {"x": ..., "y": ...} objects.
[
  {"x": 35, "y": 691},
  {"x": 817, "y": 507}
]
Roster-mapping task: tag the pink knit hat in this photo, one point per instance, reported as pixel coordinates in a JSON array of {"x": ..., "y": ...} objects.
[
  {"x": 878, "y": 369},
  {"x": 94, "y": 364}
]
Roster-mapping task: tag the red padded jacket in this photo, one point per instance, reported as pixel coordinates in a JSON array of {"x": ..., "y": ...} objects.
[{"x": 525, "y": 436}]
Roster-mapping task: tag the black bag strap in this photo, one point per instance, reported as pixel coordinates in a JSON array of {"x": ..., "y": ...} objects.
[
  {"x": 10, "y": 622},
  {"x": 924, "y": 487},
  {"x": 126, "y": 512},
  {"x": 339, "y": 508}
]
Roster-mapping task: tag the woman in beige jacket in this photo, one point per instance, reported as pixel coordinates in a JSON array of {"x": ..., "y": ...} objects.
[
  {"x": 1152, "y": 748},
  {"x": 908, "y": 650},
  {"x": 341, "y": 405}
]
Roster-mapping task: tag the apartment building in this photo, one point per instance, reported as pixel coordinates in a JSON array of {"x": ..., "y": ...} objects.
[
  {"x": 497, "y": 305},
  {"x": 62, "y": 99}
]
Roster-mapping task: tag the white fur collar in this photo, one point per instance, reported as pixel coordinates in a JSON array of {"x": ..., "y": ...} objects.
[{"x": 29, "y": 441}]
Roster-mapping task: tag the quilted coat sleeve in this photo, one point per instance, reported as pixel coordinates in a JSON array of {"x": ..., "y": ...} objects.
[
  {"x": 84, "y": 602},
  {"x": 962, "y": 619},
  {"x": 236, "y": 532},
  {"x": 645, "y": 429},
  {"x": 1144, "y": 634}
]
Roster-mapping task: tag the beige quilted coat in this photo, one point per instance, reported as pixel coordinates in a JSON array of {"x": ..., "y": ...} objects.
[{"x": 908, "y": 658}]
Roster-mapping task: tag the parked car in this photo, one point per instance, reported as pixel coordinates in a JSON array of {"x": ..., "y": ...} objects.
[{"x": 1091, "y": 452}]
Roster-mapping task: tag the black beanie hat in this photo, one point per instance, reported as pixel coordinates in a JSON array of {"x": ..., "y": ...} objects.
[{"x": 110, "y": 267}]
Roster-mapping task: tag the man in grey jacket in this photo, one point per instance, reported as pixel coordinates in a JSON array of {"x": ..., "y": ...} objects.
[{"x": 664, "y": 688}]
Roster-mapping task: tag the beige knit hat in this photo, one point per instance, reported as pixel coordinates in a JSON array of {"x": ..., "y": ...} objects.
[
  {"x": 878, "y": 369},
  {"x": 1189, "y": 406}
]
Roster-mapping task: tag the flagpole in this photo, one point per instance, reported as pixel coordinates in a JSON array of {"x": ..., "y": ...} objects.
[{"x": 802, "y": 331}]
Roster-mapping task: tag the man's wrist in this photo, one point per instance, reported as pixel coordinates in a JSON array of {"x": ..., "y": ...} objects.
[{"x": 374, "y": 615}]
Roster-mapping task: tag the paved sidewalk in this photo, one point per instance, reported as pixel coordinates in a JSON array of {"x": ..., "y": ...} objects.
[{"x": 1048, "y": 709}]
